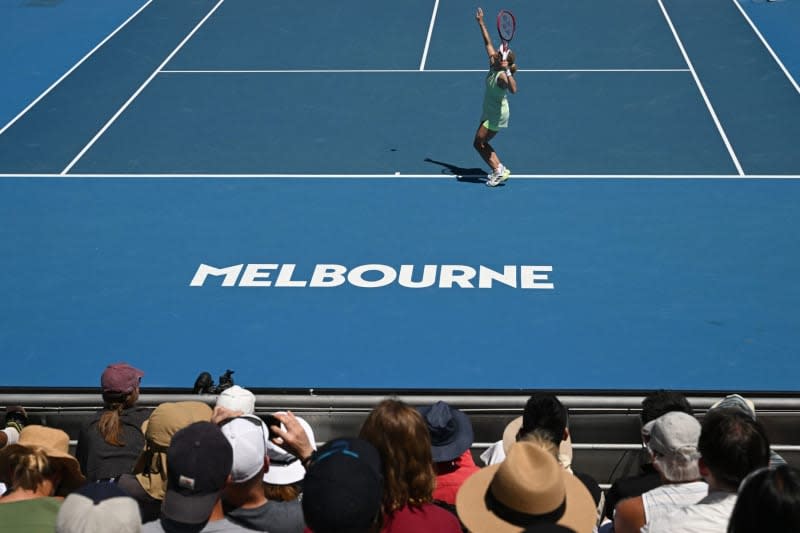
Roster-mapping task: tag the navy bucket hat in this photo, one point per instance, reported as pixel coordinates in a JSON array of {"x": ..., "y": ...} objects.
[{"x": 450, "y": 429}]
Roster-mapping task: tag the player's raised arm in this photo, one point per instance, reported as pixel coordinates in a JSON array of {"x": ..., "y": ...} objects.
[{"x": 487, "y": 41}]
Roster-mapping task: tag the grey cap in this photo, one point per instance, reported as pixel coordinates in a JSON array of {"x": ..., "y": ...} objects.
[
  {"x": 734, "y": 401},
  {"x": 672, "y": 433}
]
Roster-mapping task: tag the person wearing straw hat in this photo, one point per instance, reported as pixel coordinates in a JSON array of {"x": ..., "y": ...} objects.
[
  {"x": 528, "y": 489},
  {"x": 545, "y": 415},
  {"x": 40, "y": 471},
  {"x": 544, "y": 412},
  {"x": 148, "y": 482}
]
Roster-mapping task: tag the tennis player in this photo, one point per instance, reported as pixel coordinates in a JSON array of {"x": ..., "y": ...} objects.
[{"x": 499, "y": 81}]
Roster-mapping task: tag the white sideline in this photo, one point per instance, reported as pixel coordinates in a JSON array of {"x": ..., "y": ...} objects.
[
  {"x": 767, "y": 46},
  {"x": 71, "y": 70},
  {"x": 428, "y": 39},
  {"x": 139, "y": 90},
  {"x": 702, "y": 90}
]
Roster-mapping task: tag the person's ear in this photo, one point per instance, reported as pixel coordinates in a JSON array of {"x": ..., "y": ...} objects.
[
  {"x": 703, "y": 467},
  {"x": 565, "y": 436},
  {"x": 266, "y": 464}
]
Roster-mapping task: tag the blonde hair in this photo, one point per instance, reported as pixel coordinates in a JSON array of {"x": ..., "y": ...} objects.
[
  {"x": 542, "y": 439},
  {"x": 30, "y": 467}
]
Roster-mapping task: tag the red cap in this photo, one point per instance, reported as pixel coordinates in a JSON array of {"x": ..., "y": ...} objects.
[{"x": 120, "y": 378}]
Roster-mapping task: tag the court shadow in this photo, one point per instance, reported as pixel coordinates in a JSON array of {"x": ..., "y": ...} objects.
[{"x": 466, "y": 175}]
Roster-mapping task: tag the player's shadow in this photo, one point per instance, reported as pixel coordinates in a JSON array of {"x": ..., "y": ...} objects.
[{"x": 466, "y": 175}]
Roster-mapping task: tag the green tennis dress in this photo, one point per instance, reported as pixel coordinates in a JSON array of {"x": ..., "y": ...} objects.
[{"x": 495, "y": 103}]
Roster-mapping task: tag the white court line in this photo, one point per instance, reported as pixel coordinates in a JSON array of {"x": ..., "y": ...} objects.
[
  {"x": 702, "y": 90},
  {"x": 437, "y": 175},
  {"x": 138, "y": 91},
  {"x": 768, "y": 47},
  {"x": 76, "y": 65},
  {"x": 428, "y": 39},
  {"x": 414, "y": 71}
]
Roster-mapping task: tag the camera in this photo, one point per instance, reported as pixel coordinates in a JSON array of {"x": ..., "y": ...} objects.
[{"x": 204, "y": 384}]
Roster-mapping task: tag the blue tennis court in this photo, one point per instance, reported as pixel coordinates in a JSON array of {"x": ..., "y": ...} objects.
[{"x": 289, "y": 190}]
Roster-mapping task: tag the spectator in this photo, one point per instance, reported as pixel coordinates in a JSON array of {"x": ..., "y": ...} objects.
[
  {"x": 734, "y": 401},
  {"x": 200, "y": 461},
  {"x": 111, "y": 440},
  {"x": 16, "y": 418},
  {"x": 283, "y": 483},
  {"x": 401, "y": 437},
  {"x": 546, "y": 415},
  {"x": 673, "y": 447},
  {"x": 544, "y": 411},
  {"x": 237, "y": 399},
  {"x": 528, "y": 488},
  {"x": 451, "y": 439},
  {"x": 769, "y": 500},
  {"x": 343, "y": 487},
  {"x": 654, "y": 405},
  {"x": 148, "y": 482},
  {"x": 244, "y": 500},
  {"x": 731, "y": 446},
  {"x": 98, "y": 508},
  {"x": 39, "y": 470}
]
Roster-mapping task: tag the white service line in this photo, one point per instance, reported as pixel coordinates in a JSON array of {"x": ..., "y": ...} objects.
[
  {"x": 414, "y": 71},
  {"x": 768, "y": 47},
  {"x": 702, "y": 90},
  {"x": 76, "y": 65},
  {"x": 437, "y": 175},
  {"x": 428, "y": 39},
  {"x": 138, "y": 91}
]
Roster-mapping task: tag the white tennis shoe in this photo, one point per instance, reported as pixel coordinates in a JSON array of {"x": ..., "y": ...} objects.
[{"x": 499, "y": 176}]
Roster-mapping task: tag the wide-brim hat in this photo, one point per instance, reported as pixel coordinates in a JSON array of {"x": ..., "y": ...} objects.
[
  {"x": 528, "y": 488},
  {"x": 510, "y": 438},
  {"x": 450, "y": 429},
  {"x": 167, "y": 419},
  {"x": 55, "y": 444}
]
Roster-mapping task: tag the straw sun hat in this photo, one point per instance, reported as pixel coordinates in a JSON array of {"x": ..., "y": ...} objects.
[
  {"x": 55, "y": 444},
  {"x": 526, "y": 489}
]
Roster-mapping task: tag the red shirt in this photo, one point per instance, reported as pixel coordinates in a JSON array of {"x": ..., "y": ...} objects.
[
  {"x": 450, "y": 476},
  {"x": 429, "y": 517}
]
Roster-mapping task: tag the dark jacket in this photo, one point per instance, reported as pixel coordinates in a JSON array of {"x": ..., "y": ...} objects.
[{"x": 100, "y": 460}]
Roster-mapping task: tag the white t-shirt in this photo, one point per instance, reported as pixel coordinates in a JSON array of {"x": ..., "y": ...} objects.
[
  {"x": 709, "y": 515},
  {"x": 668, "y": 498}
]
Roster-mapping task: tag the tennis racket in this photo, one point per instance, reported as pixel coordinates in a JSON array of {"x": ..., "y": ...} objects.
[{"x": 506, "y": 26}]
